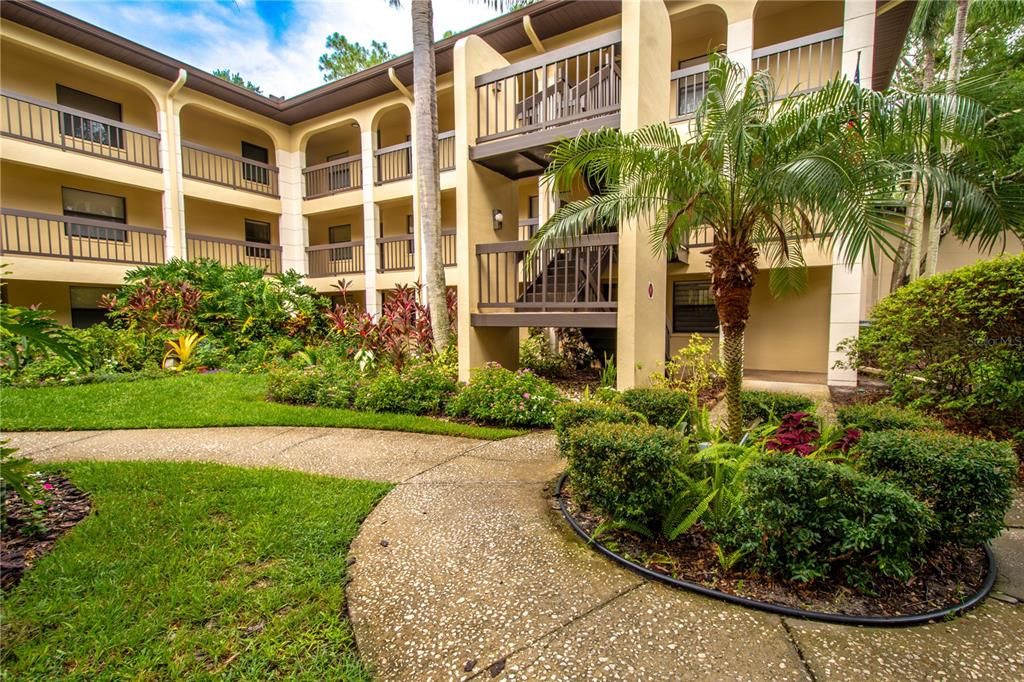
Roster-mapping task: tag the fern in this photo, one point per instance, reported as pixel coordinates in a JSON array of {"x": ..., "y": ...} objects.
[{"x": 693, "y": 517}]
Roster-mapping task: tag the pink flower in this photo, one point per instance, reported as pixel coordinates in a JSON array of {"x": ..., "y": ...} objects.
[
  {"x": 47, "y": 486},
  {"x": 39, "y": 502},
  {"x": 526, "y": 396}
]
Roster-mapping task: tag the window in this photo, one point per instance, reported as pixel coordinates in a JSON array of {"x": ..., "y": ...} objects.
[
  {"x": 85, "y": 306},
  {"x": 259, "y": 232},
  {"x": 410, "y": 230},
  {"x": 693, "y": 308},
  {"x": 78, "y": 203},
  {"x": 340, "y": 177},
  {"x": 85, "y": 128},
  {"x": 250, "y": 171},
  {"x": 338, "y": 234}
]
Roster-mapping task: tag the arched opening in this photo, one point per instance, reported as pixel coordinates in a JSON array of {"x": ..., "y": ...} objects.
[
  {"x": 696, "y": 33},
  {"x": 333, "y": 161},
  {"x": 225, "y": 151},
  {"x": 392, "y": 144},
  {"x": 799, "y": 43},
  {"x": 446, "y": 129}
]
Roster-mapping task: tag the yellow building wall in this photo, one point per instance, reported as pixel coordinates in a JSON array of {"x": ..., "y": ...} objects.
[
  {"x": 777, "y": 21},
  {"x": 393, "y": 217},
  {"x": 53, "y": 296},
  {"x": 210, "y": 130},
  {"x": 220, "y": 220},
  {"x": 318, "y": 224}
]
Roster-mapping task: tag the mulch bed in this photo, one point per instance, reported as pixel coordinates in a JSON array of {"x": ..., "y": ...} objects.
[
  {"x": 24, "y": 539},
  {"x": 869, "y": 389},
  {"x": 947, "y": 577}
]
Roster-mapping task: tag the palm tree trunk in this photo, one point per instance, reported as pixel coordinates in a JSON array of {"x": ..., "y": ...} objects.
[
  {"x": 733, "y": 270},
  {"x": 931, "y": 261},
  {"x": 428, "y": 184},
  {"x": 956, "y": 50}
]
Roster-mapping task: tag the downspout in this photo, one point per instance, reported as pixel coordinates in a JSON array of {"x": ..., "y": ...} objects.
[
  {"x": 532, "y": 35},
  {"x": 399, "y": 85},
  {"x": 172, "y": 163}
]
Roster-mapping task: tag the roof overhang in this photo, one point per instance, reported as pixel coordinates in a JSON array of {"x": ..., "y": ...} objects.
[{"x": 892, "y": 21}]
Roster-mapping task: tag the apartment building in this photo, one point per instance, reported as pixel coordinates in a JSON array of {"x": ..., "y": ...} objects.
[{"x": 113, "y": 155}]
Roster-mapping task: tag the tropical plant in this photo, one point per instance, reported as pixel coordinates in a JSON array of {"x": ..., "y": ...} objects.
[
  {"x": 763, "y": 175},
  {"x": 28, "y": 331},
  {"x": 609, "y": 374},
  {"x": 692, "y": 369},
  {"x": 15, "y": 474},
  {"x": 496, "y": 395},
  {"x": 181, "y": 350},
  {"x": 712, "y": 488}
]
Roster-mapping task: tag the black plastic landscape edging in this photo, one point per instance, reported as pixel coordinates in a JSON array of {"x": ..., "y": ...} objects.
[{"x": 789, "y": 612}]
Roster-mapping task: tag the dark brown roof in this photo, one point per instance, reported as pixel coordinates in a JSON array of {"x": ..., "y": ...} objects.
[
  {"x": 505, "y": 33},
  {"x": 890, "y": 33}
]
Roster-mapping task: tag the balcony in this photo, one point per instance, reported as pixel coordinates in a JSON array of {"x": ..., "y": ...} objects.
[
  {"x": 230, "y": 252},
  {"x": 802, "y": 65},
  {"x": 399, "y": 253},
  {"x": 525, "y": 107},
  {"x": 221, "y": 168},
  {"x": 342, "y": 258},
  {"x": 567, "y": 284},
  {"x": 54, "y": 125},
  {"x": 55, "y": 236},
  {"x": 688, "y": 87},
  {"x": 393, "y": 163},
  {"x": 333, "y": 177},
  {"x": 446, "y": 150}
]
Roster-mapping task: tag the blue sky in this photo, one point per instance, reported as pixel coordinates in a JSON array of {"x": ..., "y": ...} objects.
[{"x": 274, "y": 43}]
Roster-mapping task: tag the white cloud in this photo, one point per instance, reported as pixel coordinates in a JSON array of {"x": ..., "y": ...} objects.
[{"x": 213, "y": 35}]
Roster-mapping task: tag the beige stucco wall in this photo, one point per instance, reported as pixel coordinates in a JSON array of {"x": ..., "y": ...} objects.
[
  {"x": 220, "y": 220},
  {"x": 776, "y": 21},
  {"x": 54, "y": 296},
  {"x": 318, "y": 224}
]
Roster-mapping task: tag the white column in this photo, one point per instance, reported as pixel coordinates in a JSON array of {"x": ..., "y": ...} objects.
[
  {"x": 739, "y": 41},
  {"x": 847, "y": 282},
  {"x": 371, "y": 219},
  {"x": 291, "y": 225}
]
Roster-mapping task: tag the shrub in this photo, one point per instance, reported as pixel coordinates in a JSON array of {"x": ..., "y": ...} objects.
[
  {"x": 498, "y": 396},
  {"x": 769, "y": 406},
  {"x": 953, "y": 342},
  {"x": 420, "y": 389},
  {"x": 571, "y": 415},
  {"x": 661, "y": 406},
  {"x": 805, "y": 519},
  {"x": 628, "y": 472},
  {"x": 885, "y": 418},
  {"x": 536, "y": 355},
  {"x": 967, "y": 482},
  {"x": 328, "y": 385},
  {"x": 797, "y": 434}
]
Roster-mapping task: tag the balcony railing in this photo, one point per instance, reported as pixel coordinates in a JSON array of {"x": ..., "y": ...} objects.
[
  {"x": 342, "y": 258},
  {"x": 528, "y": 227},
  {"x": 230, "y": 252},
  {"x": 394, "y": 162},
  {"x": 573, "y": 276},
  {"x": 333, "y": 177},
  {"x": 397, "y": 253},
  {"x": 446, "y": 150},
  {"x": 688, "y": 87},
  {"x": 804, "y": 64},
  {"x": 54, "y": 125},
  {"x": 71, "y": 238},
  {"x": 556, "y": 88},
  {"x": 448, "y": 248},
  {"x": 230, "y": 170}
]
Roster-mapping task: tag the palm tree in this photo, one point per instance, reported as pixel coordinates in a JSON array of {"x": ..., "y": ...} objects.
[{"x": 763, "y": 175}]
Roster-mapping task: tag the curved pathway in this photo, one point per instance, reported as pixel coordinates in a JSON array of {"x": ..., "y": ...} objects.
[{"x": 465, "y": 571}]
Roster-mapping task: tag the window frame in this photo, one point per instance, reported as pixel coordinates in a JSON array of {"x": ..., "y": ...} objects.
[
  {"x": 256, "y": 251},
  {"x": 342, "y": 253},
  {"x": 702, "y": 288},
  {"x": 93, "y": 231},
  {"x": 96, "y": 131},
  {"x": 250, "y": 171}
]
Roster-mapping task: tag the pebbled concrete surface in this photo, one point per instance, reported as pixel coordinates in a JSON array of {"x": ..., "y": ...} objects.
[{"x": 466, "y": 571}]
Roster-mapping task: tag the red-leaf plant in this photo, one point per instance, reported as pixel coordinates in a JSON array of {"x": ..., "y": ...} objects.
[{"x": 798, "y": 433}]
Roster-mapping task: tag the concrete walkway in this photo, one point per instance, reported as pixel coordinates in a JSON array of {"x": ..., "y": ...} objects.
[{"x": 465, "y": 571}]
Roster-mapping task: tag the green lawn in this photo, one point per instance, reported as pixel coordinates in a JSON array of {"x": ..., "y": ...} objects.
[
  {"x": 195, "y": 400},
  {"x": 193, "y": 571}
]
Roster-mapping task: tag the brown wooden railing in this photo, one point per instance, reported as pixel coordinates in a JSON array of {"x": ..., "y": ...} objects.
[
  {"x": 688, "y": 87},
  {"x": 528, "y": 227},
  {"x": 394, "y": 162},
  {"x": 54, "y": 125},
  {"x": 446, "y": 150},
  {"x": 342, "y": 258},
  {"x": 70, "y": 238},
  {"x": 576, "y": 275},
  {"x": 804, "y": 64},
  {"x": 221, "y": 168},
  {"x": 332, "y": 177},
  {"x": 563, "y": 86},
  {"x": 397, "y": 253},
  {"x": 233, "y": 251},
  {"x": 448, "y": 248}
]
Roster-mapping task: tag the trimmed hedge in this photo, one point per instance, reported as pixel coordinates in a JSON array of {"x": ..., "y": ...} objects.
[
  {"x": 806, "y": 519},
  {"x": 660, "y": 406},
  {"x": 771, "y": 406},
  {"x": 967, "y": 482},
  {"x": 331, "y": 385},
  {"x": 628, "y": 472},
  {"x": 420, "y": 389},
  {"x": 571, "y": 415},
  {"x": 885, "y": 418},
  {"x": 496, "y": 395}
]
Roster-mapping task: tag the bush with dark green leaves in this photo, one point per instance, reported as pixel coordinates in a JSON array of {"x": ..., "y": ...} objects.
[
  {"x": 966, "y": 482},
  {"x": 660, "y": 406},
  {"x": 954, "y": 342},
  {"x": 628, "y": 472},
  {"x": 769, "y": 406},
  {"x": 536, "y": 355},
  {"x": 424, "y": 388},
  {"x": 328, "y": 385},
  {"x": 571, "y": 415},
  {"x": 805, "y": 519},
  {"x": 496, "y": 395},
  {"x": 880, "y": 417}
]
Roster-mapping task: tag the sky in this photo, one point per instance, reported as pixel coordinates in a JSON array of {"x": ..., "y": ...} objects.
[{"x": 273, "y": 43}]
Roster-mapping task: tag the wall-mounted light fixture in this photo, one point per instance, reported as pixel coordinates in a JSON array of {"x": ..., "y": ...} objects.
[{"x": 497, "y": 217}]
